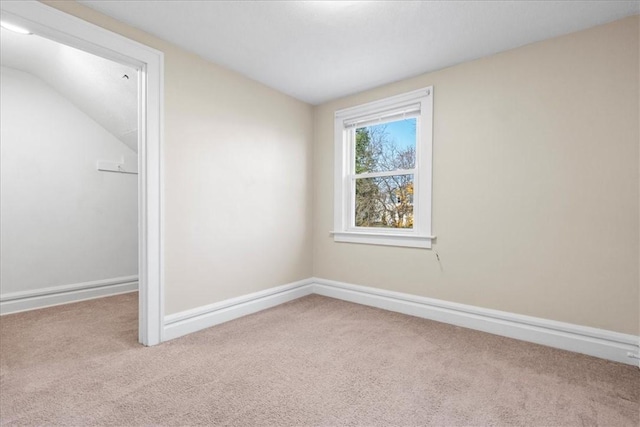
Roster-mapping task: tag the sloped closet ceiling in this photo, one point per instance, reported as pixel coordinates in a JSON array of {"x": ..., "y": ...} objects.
[{"x": 93, "y": 84}]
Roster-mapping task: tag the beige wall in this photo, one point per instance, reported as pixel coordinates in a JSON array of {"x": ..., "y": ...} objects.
[
  {"x": 535, "y": 184},
  {"x": 237, "y": 178}
]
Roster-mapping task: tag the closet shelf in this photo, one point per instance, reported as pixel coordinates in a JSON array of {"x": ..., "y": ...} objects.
[{"x": 107, "y": 166}]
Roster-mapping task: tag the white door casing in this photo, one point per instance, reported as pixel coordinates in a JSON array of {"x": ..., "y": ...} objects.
[{"x": 53, "y": 24}]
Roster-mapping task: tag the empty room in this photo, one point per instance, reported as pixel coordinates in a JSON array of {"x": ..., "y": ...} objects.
[{"x": 374, "y": 213}]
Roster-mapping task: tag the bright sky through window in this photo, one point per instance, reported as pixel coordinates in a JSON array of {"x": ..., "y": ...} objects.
[{"x": 403, "y": 132}]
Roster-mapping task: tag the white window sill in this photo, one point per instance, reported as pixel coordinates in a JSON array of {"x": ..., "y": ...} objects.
[{"x": 384, "y": 239}]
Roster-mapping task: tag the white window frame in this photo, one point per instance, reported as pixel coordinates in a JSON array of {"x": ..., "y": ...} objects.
[{"x": 344, "y": 182}]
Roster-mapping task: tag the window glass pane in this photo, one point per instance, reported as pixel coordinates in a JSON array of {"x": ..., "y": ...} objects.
[
  {"x": 386, "y": 147},
  {"x": 384, "y": 202}
]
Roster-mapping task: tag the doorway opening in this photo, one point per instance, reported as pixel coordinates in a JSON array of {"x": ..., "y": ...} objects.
[
  {"x": 68, "y": 186},
  {"x": 143, "y": 66}
]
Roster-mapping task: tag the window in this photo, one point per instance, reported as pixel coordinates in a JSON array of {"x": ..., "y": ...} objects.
[{"x": 383, "y": 171}]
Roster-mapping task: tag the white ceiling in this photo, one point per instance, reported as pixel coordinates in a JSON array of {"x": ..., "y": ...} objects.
[
  {"x": 93, "y": 84},
  {"x": 321, "y": 50}
]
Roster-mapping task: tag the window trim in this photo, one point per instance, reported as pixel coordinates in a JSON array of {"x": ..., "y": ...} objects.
[{"x": 418, "y": 237}]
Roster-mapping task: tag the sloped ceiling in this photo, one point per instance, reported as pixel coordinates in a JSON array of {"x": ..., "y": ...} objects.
[
  {"x": 321, "y": 50},
  {"x": 93, "y": 84}
]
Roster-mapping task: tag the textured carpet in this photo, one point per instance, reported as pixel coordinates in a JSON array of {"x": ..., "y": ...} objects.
[{"x": 313, "y": 361}]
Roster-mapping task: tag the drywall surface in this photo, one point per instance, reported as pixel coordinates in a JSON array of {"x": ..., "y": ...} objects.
[
  {"x": 62, "y": 221},
  {"x": 237, "y": 178},
  {"x": 81, "y": 78},
  {"x": 535, "y": 201}
]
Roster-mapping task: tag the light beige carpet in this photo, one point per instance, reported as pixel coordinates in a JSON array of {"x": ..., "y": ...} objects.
[{"x": 314, "y": 361}]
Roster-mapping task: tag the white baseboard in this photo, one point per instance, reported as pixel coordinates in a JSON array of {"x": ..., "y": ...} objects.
[
  {"x": 580, "y": 339},
  {"x": 186, "y": 322},
  {"x": 46, "y": 297}
]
